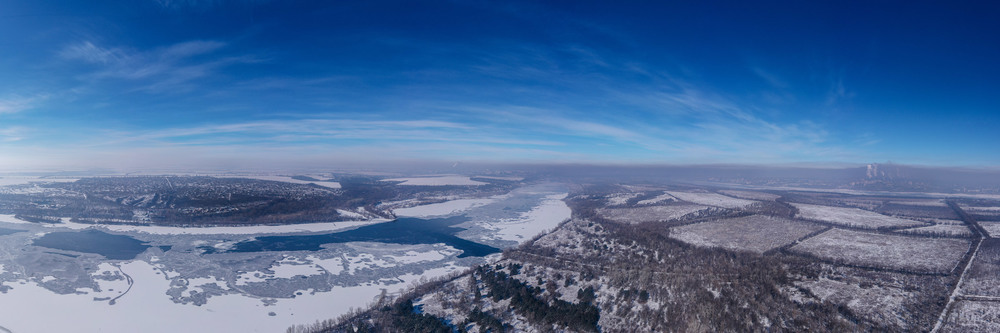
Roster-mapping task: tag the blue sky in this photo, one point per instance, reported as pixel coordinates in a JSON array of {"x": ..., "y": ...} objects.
[{"x": 140, "y": 84}]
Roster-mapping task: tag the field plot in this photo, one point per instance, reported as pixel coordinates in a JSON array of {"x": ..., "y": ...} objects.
[
  {"x": 983, "y": 277},
  {"x": 852, "y": 217},
  {"x": 922, "y": 209},
  {"x": 649, "y": 213},
  {"x": 917, "y": 254},
  {"x": 940, "y": 229},
  {"x": 657, "y": 199},
  {"x": 920, "y": 202},
  {"x": 756, "y": 233},
  {"x": 973, "y": 316},
  {"x": 883, "y": 304},
  {"x": 619, "y": 199},
  {"x": 750, "y": 195},
  {"x": 992, "y": 227},
  {"x": 711, "y": 199},
  {"x": 983, "y": 213}
]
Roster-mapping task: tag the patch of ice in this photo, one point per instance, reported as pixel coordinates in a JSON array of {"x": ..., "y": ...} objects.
[
  {"x": 546, "y": 216},
  {"x": 242, "y": 230},
  {"x": 436, "y": 181},
  {"x": 147, "y": 307},
  {"x": 9, "y": 218},
  {"x": 443, "y": 208}
]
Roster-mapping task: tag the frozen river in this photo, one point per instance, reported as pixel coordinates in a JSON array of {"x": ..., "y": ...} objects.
[{"x": 53, "y": 279}]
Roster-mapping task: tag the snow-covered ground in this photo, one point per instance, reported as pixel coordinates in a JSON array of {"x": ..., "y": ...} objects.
[
  {"x": 921, "y": 202},
  {"x": 755, "y": 233},
  {"x": 852, "y": 217},
  {"x": 751, "y": 195},
  {"x": 922, "y": 254},
  {"x": 507, "y": 178},
  {"x": 950, "y": 229},
  {"x": 619, "y": 199},
  {"x": 146, "y": 307},
  {"x": 436, "y": 181},
  {"x": 655, "y": 200},
  {"x": 712, "y": 199},
  {"x": 649, "y": 213},
  {"x": 443, "y": 208},
  {"x": 992, "y": 227},
  {"x": 8, "y": 218},
  {"x": 243, "y": 230}
]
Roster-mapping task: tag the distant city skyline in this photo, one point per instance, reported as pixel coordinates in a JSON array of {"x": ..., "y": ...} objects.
[{"x": 243, "y": 84}]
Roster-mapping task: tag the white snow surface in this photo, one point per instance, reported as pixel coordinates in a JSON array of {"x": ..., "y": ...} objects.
[
  {"x": 991, "y": 227},
  {"x": 658, "y": 199},
  {"x": 443, "y": 208},
  {"x": 9, "y": 218},
  {"x": 619, "y": 199},
  {"x": 712, "y": 199},
  {"x": 851, "y": 217},
  {"x": 545, "y": 216},
  {"x": 146, "y": 307},
  {"x": 436, "y": 181},
  {"x": 752, "y": 195},
  {"x": 241, "y": 230}
]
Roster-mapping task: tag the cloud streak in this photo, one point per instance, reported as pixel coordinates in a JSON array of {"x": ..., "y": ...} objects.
[{"x": 158, "y": 70}]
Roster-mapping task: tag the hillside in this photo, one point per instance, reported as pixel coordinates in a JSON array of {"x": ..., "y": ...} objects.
[{"x": 597, "y": 272}]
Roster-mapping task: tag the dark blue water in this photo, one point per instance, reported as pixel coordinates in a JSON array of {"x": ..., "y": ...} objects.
[
  {"x": 115, "y": 247},
  {"x": 401, "y": 231}
]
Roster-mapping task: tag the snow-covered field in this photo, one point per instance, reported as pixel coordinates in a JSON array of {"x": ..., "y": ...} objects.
[
  {"x": 973, "y": 316},
  {"x": 949, "y": 229},
  {"x": 619, "y": 199},
  {"x": 750, "y": 195},
  {"x": 8, "y": 218},
  {"x": 712, "y": 199},
  {"x": 146, "y": 307},
  {"x": 853, "y": 217},
  {"x": 883, "y": 303},
  {"x": 756, "y": 233},
  {"x": 285, "y": 179},
  {"x": 923, "y": 202},
  {"x": 443, "y": 208},
  {"x": 649, "y": 213},
  {"x": 657, "y": 199},
  {"x": 436, "y": 181},
  {"x": 978, "y": 209},
  {"x": 992, "y": 227},
  {"x": 244, "y": 230},
  {"x": 933, "y": 255}
]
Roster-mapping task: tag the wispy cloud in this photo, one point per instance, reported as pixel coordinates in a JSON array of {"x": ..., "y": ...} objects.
[
  {"x": 11, "y": 134},
  {"x": 158, "y": 69},
  {"x": 769, "y": 77},
  {"x": 16, "y": 103},
  {"x": 328, "y": 131}
]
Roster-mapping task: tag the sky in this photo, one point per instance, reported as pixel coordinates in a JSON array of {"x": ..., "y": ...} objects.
[{"x": 226, "y": 84}]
